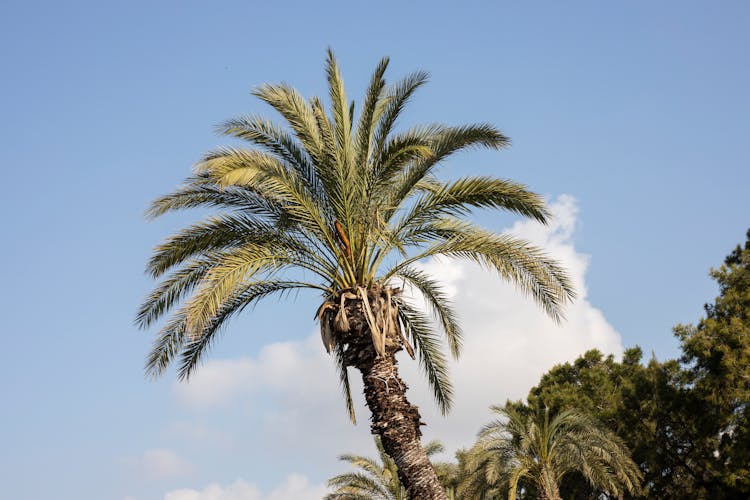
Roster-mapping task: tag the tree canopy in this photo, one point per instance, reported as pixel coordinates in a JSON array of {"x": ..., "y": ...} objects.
[{"x": 686, "y": 421}]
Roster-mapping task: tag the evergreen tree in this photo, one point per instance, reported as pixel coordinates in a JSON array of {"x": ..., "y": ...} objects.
[{"x": 687, "y": 421}]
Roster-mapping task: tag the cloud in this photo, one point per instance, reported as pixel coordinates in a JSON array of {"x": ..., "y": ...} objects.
[
  {"x": 276, "y": 368},
  {"x": 509, "y": 343},
  {"x": 294, "y": 486},
  {"x": 160, "y": 464},
  {"x": 198, "y": 433}
]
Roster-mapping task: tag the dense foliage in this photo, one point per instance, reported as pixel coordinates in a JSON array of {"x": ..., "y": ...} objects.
[
  {"x": 686, "y": 421},
  {"x": 535, "y": 451}
]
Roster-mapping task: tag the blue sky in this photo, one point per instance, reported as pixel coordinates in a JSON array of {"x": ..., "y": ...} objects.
[{"x": 633, "y": 118}]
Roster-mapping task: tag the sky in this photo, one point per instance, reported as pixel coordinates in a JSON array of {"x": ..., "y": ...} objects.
[{"x": 632, "y": 119}]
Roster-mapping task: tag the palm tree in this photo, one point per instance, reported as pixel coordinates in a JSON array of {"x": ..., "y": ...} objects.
[
  {"x": 376, "y": 481},
  {"x": 452, "y": 474},
  {"x": 521, "y": 447},
  {"x": 356, "y": 206}
]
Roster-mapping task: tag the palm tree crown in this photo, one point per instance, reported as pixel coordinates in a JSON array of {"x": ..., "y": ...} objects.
[
  {"x": 518, "y": 447},
  {"x": 336, "y": 200}
]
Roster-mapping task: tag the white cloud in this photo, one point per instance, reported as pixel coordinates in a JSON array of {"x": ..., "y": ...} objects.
[
  {"x": 294, "y": 486},
  {"x": 160, "y": 464},
  {"x": 198, "y": 435},
  {"x": 509, "y": 343},
  {"x": 277, "y": 368}
]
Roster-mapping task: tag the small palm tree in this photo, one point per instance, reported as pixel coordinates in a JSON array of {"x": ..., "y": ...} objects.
[
  {"x": 376, "y": 481},
  {"x": 343, "y": 205},
  {"x": 519, "y": 447},
  {"x": 452, "y": 474}
]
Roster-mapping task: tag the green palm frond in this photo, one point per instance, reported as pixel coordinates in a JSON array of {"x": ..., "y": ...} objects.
[
  {"x": 431, "y": 358},
  {"x": 194, "y": 346},
  {"x": 438, "y": 302},
  {"x": 199, "y": 191},
  {"x": 342, "y": 118},
  {"x": 355, "y": 486},
  {"x": 263, "y": 133},
  {"x": 446, "y": 142},
  {"x": 343, "y": 373},
  {"x": 212, "y": 234},
  {"x": 544, "y": 448},
  {"x": 372, "y": 108},
  {"x": 396, "y": 99},
  {"x": 171, "y": 290},
  {"x": 515, "y": 260},
  {"x": 297, "y": 113},
  {"x": 373, "y": 480},
  {"x": 167, "y": 345},
  {"x": 234, "y": 268},
  {"x": 457, "y": 198}
]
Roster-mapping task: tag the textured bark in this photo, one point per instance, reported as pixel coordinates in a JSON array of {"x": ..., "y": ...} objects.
[
  {"x": 397, "y": 423},
  {"x": 394, "y": 419}
]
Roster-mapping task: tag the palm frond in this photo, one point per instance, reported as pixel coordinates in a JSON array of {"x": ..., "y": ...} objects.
[
  {"x": 448, "y": 141},
  {"x": 166, "y": 346},
  {"x": 266, "y": 175},
  {"x": 343, "y": 374},
  {"x": 266, "y": 134},
  {"x": 431, "y": 358},
  {"x": 433, "y": 448},
  {"x": 214, "y": 233},
  {"x": 368, "y": 118},
  {"x": 297, "y": 112},
  {"x": 342, "y": 119},
  {"x": 438, "y": 302},
  {"x": 200, "y": 191},
  {"x": 356, "y": 486},
  {"x": 171, "y": 290},
  {"x": 234, "y": 268},
  {"x": 194, "y": 347},
  {"x": 514, "y": 259},
  {"x": 399, "y": 151},
  {"x": 459, "y": 197},
  {"x": 396, "y": 99}
]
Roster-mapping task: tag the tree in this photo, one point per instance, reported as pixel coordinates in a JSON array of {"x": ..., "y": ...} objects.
[
  {"x": 643, "y": 405},
  {"x": 356, "y": 206},
  {"x": 536, "y": 450},
  {"x": 375, "y": 481},
  {"x": 716, "y": 355},
  {"x": 686, "y": 421},
  {"x": 452, "y": 474}
]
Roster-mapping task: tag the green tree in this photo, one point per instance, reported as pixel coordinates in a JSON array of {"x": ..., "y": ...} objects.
[
  {"x": 641, "y": 404},
  {"x": 716, "y": 354},
  {"x": 354, "y": 204},
  {"x": 538, "y": 450},
  {"x": 374, "y": 481},
  {"x": 452, "y": 474},
  {"x": 686, "y": 421}
]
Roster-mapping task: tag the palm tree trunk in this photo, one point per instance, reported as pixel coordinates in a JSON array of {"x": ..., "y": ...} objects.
[
  {"x": 394, "y": 419},
  {"x": 397, "y": 423}
]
